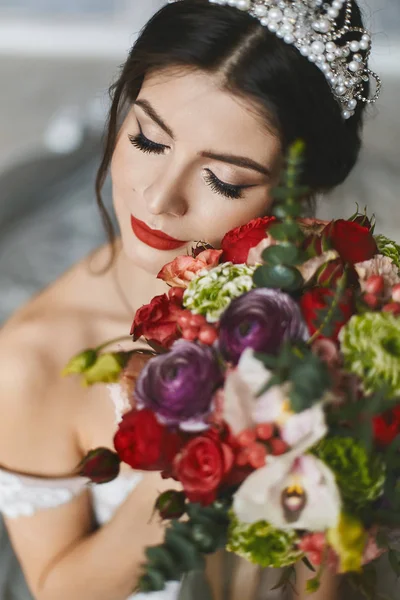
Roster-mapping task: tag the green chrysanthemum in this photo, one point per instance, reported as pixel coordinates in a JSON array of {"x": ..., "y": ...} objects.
[
  {"x": 359, "y": 475},
  {"x": 388, "y": 248},
  {"x": 370, "y": 344},
  {"x": 212, "y": 292},
  {"x": 262, "y": 544}
]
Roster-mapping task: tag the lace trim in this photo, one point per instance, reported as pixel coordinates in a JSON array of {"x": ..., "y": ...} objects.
[
  {"x": 120, "y": 401},
  {"x": 21, "y": 495}
]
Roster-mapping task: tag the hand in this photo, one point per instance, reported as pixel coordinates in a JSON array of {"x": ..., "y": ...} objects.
[{"x": 131, "y": 372}]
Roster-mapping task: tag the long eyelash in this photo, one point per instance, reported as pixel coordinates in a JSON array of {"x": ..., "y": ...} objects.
[
  {"x": 225, "y": 189},
  {"x": 141, "y": 142}
]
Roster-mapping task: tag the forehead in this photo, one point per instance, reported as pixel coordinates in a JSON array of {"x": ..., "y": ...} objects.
[{"x": 193, "y": 103}]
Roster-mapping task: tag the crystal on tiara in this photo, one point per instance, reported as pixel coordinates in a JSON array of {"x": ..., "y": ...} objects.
[{"x": 341, "y": 53}]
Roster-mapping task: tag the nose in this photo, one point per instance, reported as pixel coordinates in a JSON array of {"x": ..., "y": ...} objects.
[{"x": 165, "y": 195}]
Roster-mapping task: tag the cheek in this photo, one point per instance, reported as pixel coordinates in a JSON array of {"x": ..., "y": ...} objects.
[{"x": 224, "y": 215}]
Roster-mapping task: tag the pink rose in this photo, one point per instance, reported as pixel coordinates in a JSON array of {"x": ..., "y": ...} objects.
[{"x": 181, "y": 271}]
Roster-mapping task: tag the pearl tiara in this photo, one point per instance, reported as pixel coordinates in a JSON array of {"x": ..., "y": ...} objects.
[{"x": 311, "y": 26}]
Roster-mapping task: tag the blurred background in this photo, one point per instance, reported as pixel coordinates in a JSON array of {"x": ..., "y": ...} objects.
[{"x": 57, "y": 60}]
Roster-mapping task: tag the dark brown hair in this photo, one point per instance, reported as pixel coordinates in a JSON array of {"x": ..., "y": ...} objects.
[{"x": 253, "y": 63}]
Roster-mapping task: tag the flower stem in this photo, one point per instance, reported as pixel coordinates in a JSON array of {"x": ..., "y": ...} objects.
[
  {"x": 114, "y": 341},
  {"x": 340, "y": 288}
]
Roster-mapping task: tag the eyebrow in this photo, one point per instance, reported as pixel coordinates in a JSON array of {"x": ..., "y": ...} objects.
[
  {"x": 153, "y": 114},
  {"x": 239, "y": 161}
]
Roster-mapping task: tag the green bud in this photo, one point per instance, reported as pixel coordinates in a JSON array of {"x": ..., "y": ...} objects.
[
  {"x": 100, "y": 465},
  {"x": 171, "y": 504},
  {"x": 81, "y": 362},
  {"x": 313, "y": 585},
  {"x": 106, "y": 369}
]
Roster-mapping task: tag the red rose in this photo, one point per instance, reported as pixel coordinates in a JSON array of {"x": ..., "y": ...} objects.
[
  {"x": 330, "y": 272},
  {"x": 387, "y": 426},
  {"x": 316, "y": 299},
  {"x": 354, "y": 242},
  {"x": 157, "y": 321},
  {"x": 238, "y": 242},
  {"x": 143, "y": 443},
  {"x": 202, "y": 466}
]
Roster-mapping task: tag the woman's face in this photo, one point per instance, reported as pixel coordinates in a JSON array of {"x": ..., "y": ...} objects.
[{"x": 191, "y": 162}]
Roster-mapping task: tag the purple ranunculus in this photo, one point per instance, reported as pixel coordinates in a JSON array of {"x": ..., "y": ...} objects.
[
  {"x": 179, "y": 385},
  {"x": 261, "y": 319}
]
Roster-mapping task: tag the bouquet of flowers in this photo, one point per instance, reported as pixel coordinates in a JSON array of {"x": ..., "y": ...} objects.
[{"x": 273, "y": 397}]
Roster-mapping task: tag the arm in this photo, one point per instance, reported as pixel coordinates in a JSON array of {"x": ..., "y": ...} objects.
[
  {"x": 63, "y": 557},
  {"x": 328, "y": 589}
]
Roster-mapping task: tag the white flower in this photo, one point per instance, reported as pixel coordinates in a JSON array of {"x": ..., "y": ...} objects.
[
  {"x": 299, "y": 425},
  {"x": 243, "y": 409},
  {"x": 240, "y": 392},
  {"x": 293, "y": 491},
  {"x": 379, "y": 265}
]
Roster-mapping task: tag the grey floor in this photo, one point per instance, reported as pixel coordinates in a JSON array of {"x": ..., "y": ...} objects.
[{"x": 48, "y": 217}]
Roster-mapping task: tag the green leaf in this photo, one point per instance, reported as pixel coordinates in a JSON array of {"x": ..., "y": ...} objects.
[
  {"x": 106, "y": 369},
  {"x": 189, "y": 557},
  {"x": 283, "y": 193},
  {"x": 152, "y": 581},
  {"x": 81, "y": 362},
  {"x": 281, "y": 211},
  {"x": 158, "y": 557},
  {"x": 278, "y": 276},
  {"x": 283, "y": 254},
  {"x": 308, "y": 564},
  {"x": 394, "y": 560},
  {"x": 288, "y": 573},
  {"x": 286, "y": 231},
  {"x": 313, "y": 585}
]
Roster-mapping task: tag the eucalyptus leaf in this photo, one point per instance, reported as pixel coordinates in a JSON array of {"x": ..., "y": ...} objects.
[
  {"x": 394, "y": 560},
  {"x": 286, "y": 231},
  {"x": 283, "y": 254},
  {"x": 281, "y": 211}
]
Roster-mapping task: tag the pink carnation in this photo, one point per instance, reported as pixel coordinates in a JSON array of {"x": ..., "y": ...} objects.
[
  {"x": 181, "y": 271},
  {"x": 379, "y": 265}
]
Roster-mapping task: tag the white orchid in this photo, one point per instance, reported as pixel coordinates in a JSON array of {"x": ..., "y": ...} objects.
[
  {"x": 293, "y": 491},
  {"x": 243, "y": 408}
]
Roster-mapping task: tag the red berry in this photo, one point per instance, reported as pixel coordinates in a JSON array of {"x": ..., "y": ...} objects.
[
  {"x": 190, "y": 333},
  {"x": 257, "y": 455},
  {"x": 246, "y": 438},
  {"x": 392, "y": 307},
  {"x": 242, "y": 458},
  {"x": 396, "y": 292},
  {"x": 375, "y": 284},
  {"x": 278, "y": 446},
  {"x": 183, "y": 319},
  {"x": 197, "y": 321},
  {"x": 371, "y": 300},
  {"x": 265, "y": 431},
  {"x": 208, "y": 335}
]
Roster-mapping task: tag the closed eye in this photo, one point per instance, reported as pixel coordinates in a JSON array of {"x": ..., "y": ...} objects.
[
  {"x": 225, "y": 189},
  {"x": 142, "y": 143}
]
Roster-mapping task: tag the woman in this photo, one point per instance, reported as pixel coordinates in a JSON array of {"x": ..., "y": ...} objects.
[{"x": 202, "y": 114}]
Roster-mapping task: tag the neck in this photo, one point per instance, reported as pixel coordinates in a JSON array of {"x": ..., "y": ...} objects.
[{"x": 136, "y": 285}]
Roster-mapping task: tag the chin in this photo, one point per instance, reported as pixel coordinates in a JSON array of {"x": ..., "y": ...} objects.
[{"x": 150, "y": 259}]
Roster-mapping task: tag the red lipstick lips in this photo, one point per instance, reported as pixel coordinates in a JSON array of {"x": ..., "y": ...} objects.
[{"x": 153, "y": 237}]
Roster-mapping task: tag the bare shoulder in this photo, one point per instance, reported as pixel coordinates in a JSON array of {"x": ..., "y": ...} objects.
[{"x": 38, "y": 405}]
